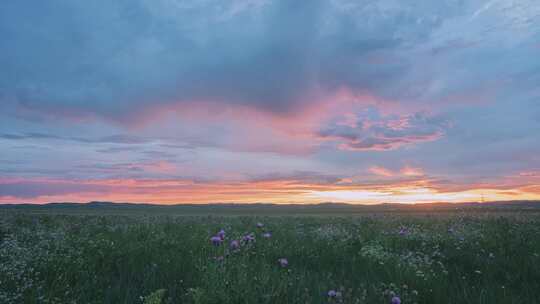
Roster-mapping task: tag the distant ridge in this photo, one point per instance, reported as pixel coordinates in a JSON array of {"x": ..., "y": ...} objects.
[{"x": 520, "y": 204}]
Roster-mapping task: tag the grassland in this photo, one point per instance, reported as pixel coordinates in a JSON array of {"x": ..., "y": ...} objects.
[{"x": 147, "y": 254}]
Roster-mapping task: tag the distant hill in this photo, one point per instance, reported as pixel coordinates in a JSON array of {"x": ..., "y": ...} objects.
[{"x": 271, "y": 209}]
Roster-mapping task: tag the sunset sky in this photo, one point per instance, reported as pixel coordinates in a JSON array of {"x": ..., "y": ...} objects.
[{"x": 196, "y": 101}]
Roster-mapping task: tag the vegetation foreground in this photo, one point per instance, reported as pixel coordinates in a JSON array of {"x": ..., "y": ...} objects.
[{"x": 370, "y": 258}]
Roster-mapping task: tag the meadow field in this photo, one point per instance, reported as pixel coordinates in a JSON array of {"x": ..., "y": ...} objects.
[{"x": 251, "y": 255}]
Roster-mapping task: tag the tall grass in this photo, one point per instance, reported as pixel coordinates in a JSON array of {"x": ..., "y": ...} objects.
[{"x": 365, "y": 259}]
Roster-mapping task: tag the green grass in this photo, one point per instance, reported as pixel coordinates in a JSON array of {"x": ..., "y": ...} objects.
[{"x": 159, "y": 258}]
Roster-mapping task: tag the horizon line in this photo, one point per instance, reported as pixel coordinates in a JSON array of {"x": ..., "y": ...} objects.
[{"x": 267, "y": 203}]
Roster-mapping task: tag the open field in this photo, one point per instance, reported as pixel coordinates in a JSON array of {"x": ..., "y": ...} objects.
[{"x": 145, "y": 254}]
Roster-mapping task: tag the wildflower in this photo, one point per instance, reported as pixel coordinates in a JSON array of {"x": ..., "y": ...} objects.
[
  {"x": 334, "y": 294},
  {"x": 267, "y": 235},
  {"x": 283, "y": 262},
  {"x": 216, "y": 240},
  {"x": 395, "y": 300},
  {"x": 235, "y": 244},
  {"x": 403, "y": 231},
  {"x": 248, "y": 238},
  {"x": 219, "y": 258},
  {"x": 221, "y": 234},
  {"x": 260, "y": 225}
]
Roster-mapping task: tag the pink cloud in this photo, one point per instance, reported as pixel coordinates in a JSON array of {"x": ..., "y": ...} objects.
[
  {"x": 411, "y": 171},
  {"x": 246, "y": 127},
  {"x": 381, "y": 171},
  {"x": 530, "y": 174},
  {"x": 376, "y": 132},
  {"x": 277, "y": 189},
  {"x": 406, "y": 171},
  {"x": 257, "y": 130}
]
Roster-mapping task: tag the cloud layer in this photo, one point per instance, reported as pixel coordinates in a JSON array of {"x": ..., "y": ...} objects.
[
  {"x": 244, "y": 90},
  {"x": 371, "y": 131}
]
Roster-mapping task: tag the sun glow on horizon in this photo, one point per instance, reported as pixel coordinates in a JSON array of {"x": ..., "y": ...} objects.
[
  {"x": 418, "y": 195},
  {"x": 269, "y": 191}
]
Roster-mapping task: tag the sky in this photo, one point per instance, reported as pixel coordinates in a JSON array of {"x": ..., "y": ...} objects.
[{"x": 209, "y": 101}]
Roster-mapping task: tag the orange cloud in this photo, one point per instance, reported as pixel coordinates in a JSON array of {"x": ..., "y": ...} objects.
[{"x": 285, "y": 190}]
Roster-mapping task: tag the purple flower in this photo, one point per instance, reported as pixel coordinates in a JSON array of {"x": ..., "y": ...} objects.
[
  {"x": 334, "y": 294},
  {"x": 283, "y": 262},
  {"x": 216, "y": 240},
  {"x": 221, "y": 234},
  {"x": 235, "y": 244},
  {"x": 260, "y": 225},
  {"x": 248, "y": 238},
  {"x": 395, "y": 300},
  {"x": 403, "y": 231},
  {"x": 220, "y": 258},
  {"x": 267, "y": 235}
]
